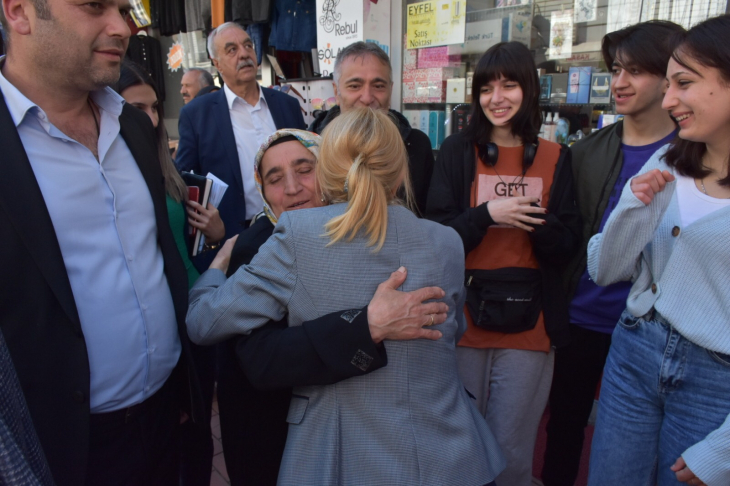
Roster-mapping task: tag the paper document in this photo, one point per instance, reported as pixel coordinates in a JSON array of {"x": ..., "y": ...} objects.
[{"x": 216, "y": 195}]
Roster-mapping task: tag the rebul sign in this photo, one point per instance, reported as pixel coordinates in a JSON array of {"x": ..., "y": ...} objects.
[
  {"x": 339, "y": 23},
  {"x": 342, "y": 22}
]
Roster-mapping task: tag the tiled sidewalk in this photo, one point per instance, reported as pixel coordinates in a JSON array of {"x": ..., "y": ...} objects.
[
  {"x": 537, "y": 462},
  {"x": 219, "y": 476}
]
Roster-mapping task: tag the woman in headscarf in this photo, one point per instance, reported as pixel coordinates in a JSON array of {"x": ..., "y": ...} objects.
[
  {"x": 284, "y": 174},
  {"x": 253, "y": 421}
]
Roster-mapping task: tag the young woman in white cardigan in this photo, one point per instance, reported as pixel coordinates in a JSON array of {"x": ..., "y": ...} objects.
[{"x": 664, "y": 409}]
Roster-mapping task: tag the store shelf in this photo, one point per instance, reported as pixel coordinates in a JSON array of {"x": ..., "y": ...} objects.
[
  {"x": 436, "y": 103},
  {"x": 544, "y": 103}
]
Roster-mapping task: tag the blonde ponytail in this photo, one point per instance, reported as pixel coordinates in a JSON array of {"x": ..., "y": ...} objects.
[{"x": 363, "y": 162}]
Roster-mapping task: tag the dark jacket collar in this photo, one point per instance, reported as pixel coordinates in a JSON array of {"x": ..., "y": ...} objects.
[{"x": 325, "y": 117}]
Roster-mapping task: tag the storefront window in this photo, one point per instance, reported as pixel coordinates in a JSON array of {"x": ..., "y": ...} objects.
[{"x": 563, "y": 35}]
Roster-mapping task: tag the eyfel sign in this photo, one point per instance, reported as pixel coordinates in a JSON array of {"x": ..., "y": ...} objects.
[{"x": 436, "y": 23}]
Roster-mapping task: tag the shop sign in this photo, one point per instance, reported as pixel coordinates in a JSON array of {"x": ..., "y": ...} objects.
[
  {"x": 377, "y": 23},
  {"x": 585, "y": 57},
  {"x": 139, "y": 14},
  {"x": 561, "y": 35},
  {"x": 622, "y": 13},
  {"x": 585, "y": 10},
  {"x": 339, "y": 24},
  {"x": 498, "y": 25},
  {"x": 511, "y": 3},
  {"x": 482, "y": 35},
  {"x": 175, "y": 57},
  {"x": 435, "y": 23}
]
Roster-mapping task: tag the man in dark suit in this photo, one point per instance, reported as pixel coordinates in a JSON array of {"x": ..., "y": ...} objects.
[
  {"x": 94, "y": 304},
  {"x": 221, "y": 132}
]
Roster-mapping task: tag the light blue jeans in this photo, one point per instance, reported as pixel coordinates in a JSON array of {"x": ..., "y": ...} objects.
[{"x": 661, "y": 394}]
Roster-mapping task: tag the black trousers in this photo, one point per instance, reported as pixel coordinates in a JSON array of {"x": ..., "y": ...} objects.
[
  {"x": 253, "y": 423},
  {"x": 578, "y": 369},
  {"x": 196, "y": 442},
  {"x": 137, "y": 446}
]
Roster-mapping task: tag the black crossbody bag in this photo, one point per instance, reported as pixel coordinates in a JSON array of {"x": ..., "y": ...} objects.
[{"x": 506, "y": 300}]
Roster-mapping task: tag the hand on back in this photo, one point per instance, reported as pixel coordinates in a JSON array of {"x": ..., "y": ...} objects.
[{"x": 397, "y": 315}]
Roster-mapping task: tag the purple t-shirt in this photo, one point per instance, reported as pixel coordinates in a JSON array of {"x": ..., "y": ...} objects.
[{"x": 599, "y": 308}]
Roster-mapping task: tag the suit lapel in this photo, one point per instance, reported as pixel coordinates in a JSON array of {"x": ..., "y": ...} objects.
[
  {"x": 21, "y": 198},
  {"x": 222, "y": 118},
  {"x": 270, "y": 97}
]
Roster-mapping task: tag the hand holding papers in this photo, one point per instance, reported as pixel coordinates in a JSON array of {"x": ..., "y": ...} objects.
[{"x": 203, "y": 190}]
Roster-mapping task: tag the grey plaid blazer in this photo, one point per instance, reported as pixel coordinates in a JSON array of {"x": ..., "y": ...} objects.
[
  {"x": 409, "y": 423},
  {"x": 21, "y": 458}
]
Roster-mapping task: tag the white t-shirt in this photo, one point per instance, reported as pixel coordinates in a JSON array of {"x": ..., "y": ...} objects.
[{"x": 693, "y": 203}]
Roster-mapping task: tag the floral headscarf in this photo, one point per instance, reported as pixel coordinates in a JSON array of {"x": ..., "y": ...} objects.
[{"x": 310, "y": 141}]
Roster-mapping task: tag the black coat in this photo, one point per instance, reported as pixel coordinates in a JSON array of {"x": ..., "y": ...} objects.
[
  {"x": 147, "y": 52},
  {"x": 598, "y": 160},
  {"x": 319, "y": 352}
]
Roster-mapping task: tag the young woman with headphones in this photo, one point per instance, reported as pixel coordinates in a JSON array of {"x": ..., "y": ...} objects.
[{"x": 510, "y": 198}]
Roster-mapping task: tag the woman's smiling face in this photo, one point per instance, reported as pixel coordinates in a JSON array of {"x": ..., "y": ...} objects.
[
  {"x": 500, "y": 100},
  {"x": 699, "y": 99}
]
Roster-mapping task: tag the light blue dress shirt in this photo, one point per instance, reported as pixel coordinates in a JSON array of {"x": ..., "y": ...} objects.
[{"x": 103, "y": 216}]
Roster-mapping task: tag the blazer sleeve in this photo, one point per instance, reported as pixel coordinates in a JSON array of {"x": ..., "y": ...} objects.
[
  {"x": 614, "y": 255},
  {"x": 448, "y": 195},
  {"x": 319, "y": 352},
  {"x": 187, "y": 158},
  {"x": 559, "y": 238},
  {"x": 299, "y": 123},
  {"x": 250, "y": 298}
]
